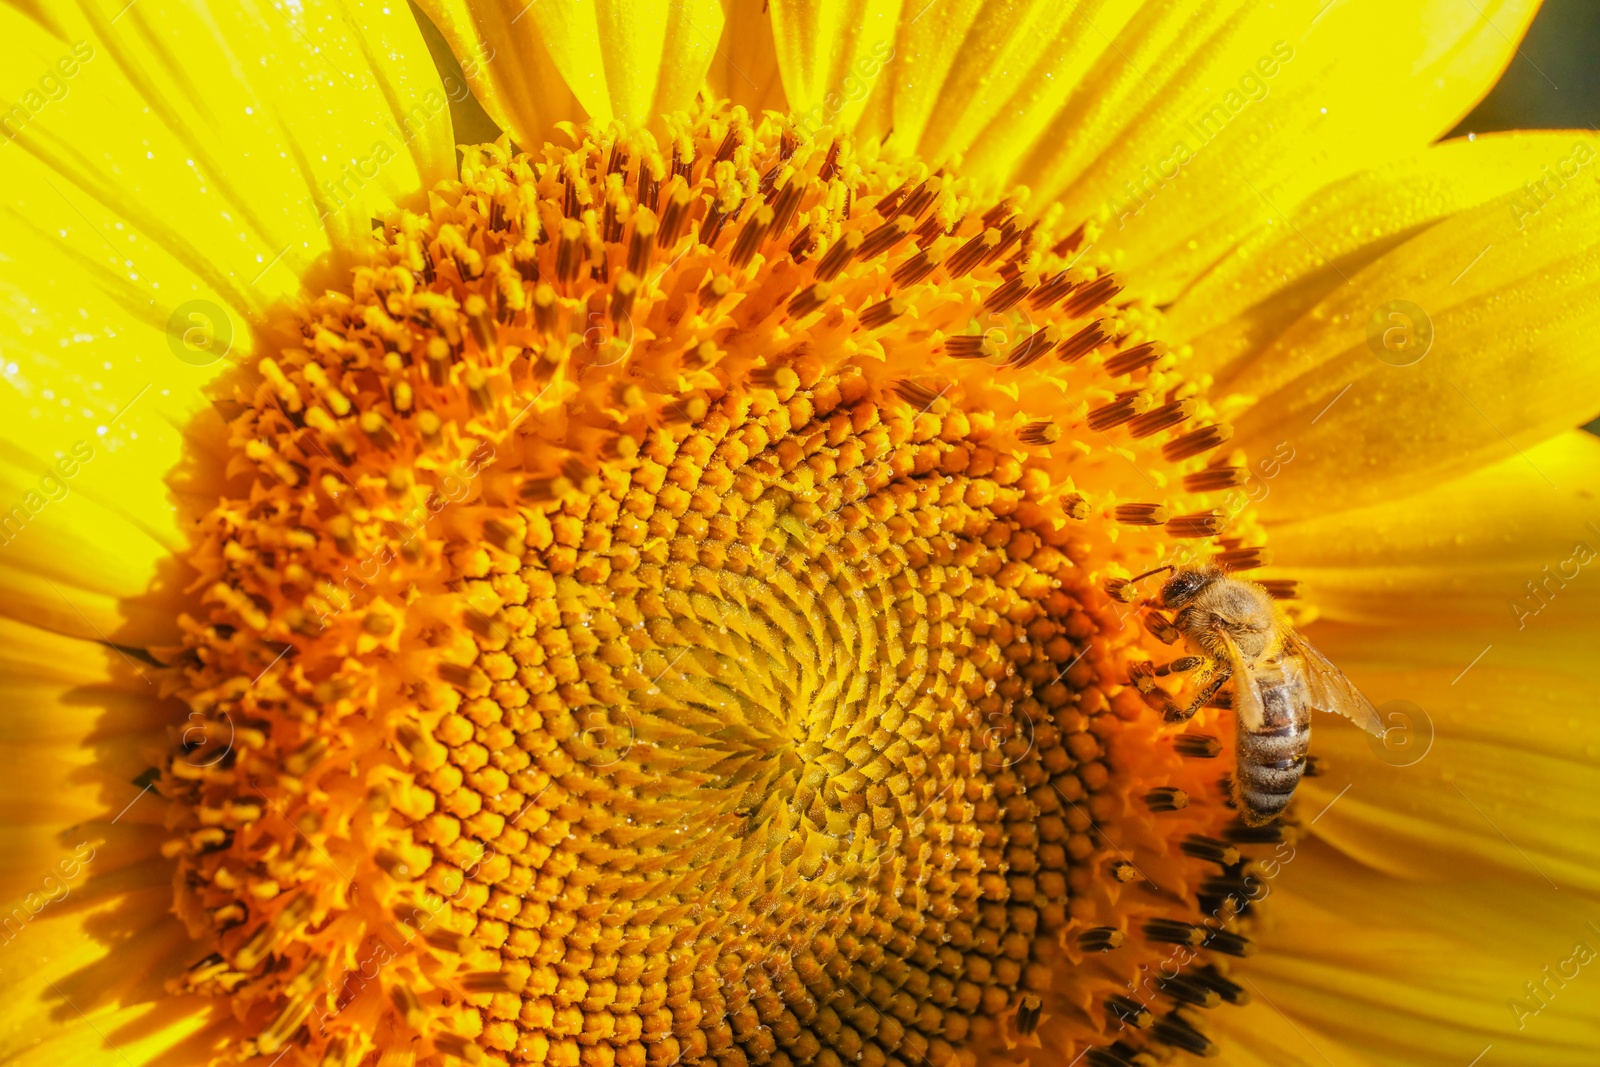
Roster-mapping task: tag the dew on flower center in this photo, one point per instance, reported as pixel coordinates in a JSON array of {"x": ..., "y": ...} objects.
[{"x": 660, "y": 616}]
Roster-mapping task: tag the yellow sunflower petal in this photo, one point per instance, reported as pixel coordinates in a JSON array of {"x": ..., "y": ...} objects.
[
  {"x": 87, "y": 721},
  {"x": 1230, "y": 118},
  {"x": 1507, "y": 786},
  {"x": 1459, "y": 348},
  {"x": 507, "y": 65},
  {"x": 74, "y": 559},
  {"x": 70, "y": 1003},
  {"x": 1415, "y": 974},
  {"x": 82, "y": 881},
  {"x": 830, "y": 53},
  {"x": 1499, "y": 547},
  {"x": 1269, "y": 279},
  {"x": 162, "y": 191},
  {"x": 1472, "y": 602},
  {"x": 949, "y": 68},
  {"x": 175, "y": 155},
  {"x": 617, "y": 60},
  {"x": 1185, "y": 127},
  {"x": 745, "y": 67},
  {"x": 1258, "y": 1034}
]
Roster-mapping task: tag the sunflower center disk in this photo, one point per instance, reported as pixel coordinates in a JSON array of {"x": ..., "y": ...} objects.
[{"x": 660, "y": 619}]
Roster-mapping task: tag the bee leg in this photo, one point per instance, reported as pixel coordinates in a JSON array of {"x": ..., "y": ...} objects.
[
  {"x": 1159, "y": 699},
  {"x": 1161, "y": 628},
  {"x": 1143, "y": 675},
  {"x": 1179, "y": 666},
  {"x": 1173, "y": 713}
]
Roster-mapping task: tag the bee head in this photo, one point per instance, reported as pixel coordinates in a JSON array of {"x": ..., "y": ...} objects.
[{"x": 1183, "y": 586}]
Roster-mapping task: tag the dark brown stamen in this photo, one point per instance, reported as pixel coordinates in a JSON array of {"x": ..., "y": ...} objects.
[
  {"x": 1084, "y": 341},
  {"x": 1093, "y": 295},
  {"x": 1135, "y": 358},
  {"x": 1197, "y": 746},
  {"x": 1243, "y": 559},
  {"x": 837, "y": 258},
  {"x": 1201, "y": 524},
  {"x": 1213, "y": 479},
  {"x": 1202, "y": 439},
  {"x": 884, "y": 312},
  {"x": 1162, "y": 418},
  {"x": 1209, "y": 849},
  {"x": 1166, "y": 798},
  {"x": 809, "y": 299}
]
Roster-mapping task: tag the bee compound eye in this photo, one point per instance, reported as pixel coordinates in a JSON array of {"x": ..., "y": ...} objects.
[{"x": 1179, "y": 589}]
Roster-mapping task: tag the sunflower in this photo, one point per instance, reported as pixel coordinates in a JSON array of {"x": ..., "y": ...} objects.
[{"x": 661, "y": 585}]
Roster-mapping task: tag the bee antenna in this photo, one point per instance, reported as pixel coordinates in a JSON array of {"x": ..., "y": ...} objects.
[
  {"x": 1146, "y": 574},
  {"x": 1122, "y": 588}
]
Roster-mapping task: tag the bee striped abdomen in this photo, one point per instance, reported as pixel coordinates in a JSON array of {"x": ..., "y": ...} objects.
[{"x": 1272, "y": 757}]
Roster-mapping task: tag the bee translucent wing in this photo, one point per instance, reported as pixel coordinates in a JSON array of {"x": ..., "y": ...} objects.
[
  {"x": 1329, "y": 689},
  {"x": 1246, "y": 701}
]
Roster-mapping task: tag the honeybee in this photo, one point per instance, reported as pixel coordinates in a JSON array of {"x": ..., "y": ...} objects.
[{"x": 1277, "y": 676}]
